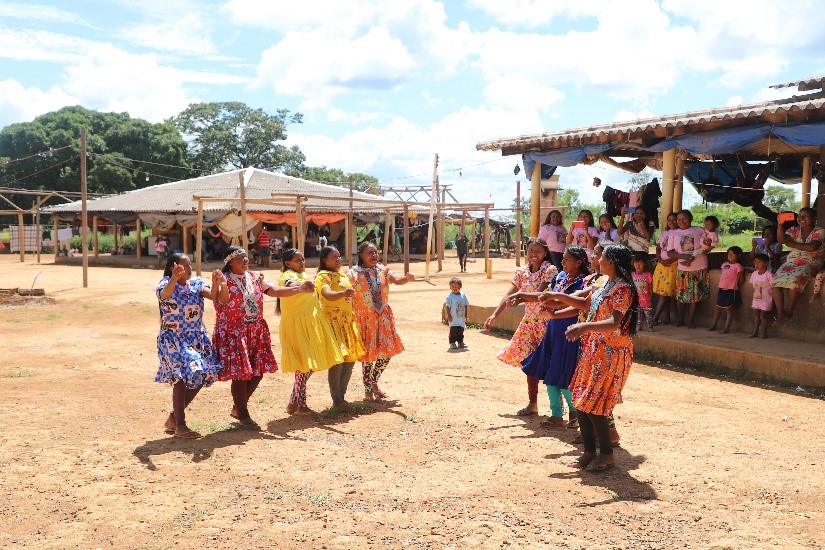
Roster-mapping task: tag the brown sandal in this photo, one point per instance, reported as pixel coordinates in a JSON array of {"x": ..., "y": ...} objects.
[{"x": 583, "y": 461}]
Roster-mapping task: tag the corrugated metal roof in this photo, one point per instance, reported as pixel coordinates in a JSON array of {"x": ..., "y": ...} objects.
[
  {"x": 665, "y": 126},
  {"x": 811, "y": 83},
  {"x": 177, "y": 196}
]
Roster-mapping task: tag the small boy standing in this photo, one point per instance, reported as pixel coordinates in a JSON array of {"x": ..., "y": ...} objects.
[{"x": 455, "y": 310}]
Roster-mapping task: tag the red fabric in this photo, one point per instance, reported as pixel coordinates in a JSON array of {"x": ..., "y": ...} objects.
[
  {"x": 290, "y": 218},
  {"x": 263, "y": 239}
]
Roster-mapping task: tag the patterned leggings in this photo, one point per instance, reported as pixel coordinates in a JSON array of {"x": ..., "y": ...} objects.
[
  {"x": 299, "y": 389},
  {"x": 372, "y": 372}
]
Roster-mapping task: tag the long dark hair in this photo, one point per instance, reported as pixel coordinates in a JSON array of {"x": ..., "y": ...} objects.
[
  {"x": 542, "y": 243},
  {"x": 580, "y": 253},
  {"x": 171, "y": 261},
  {"x": 363, "y": 247},
  {"x": 622, "y": 258},
  {"x": 322, "y": 255},
  {"x": 227, "y": 252},
  {"x": 547, "y": 218},
  {"x": 592, "y": 221}
]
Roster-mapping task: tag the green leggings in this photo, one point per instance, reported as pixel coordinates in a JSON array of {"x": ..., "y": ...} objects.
[{"x": 555, "y": 395}]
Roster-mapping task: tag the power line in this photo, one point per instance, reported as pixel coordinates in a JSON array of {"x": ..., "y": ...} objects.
[
  {"x": 40, "y": 154},
  {"x": 76, "y": 157}
]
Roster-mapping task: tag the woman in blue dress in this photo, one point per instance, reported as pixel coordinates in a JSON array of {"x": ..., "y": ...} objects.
[
  {"x": 187, "y": 360},
  {"x": 554, "y": 360}
]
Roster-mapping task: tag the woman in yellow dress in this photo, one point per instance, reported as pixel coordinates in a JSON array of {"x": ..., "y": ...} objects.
[
  {"x": 335, "y": 293},
  {"x": 307, "y": 342}
]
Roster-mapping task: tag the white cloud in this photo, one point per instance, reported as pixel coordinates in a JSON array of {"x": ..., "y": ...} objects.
[
  {"x": 21, "y": 104},
  {"x": 40, "y": 13},
  {"x": 532, "y": 13},
  {"x": 187, "y": 34},
  {"x": 338, "y": 115},
  {"x": 32, "y": 45},
  {"x": 734, "y": 101},
  {"x": 627, "y": 116},
  {"x": 517, "y": 95}
]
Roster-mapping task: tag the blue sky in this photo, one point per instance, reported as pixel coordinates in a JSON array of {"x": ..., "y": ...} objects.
[{"x": 385, "y": 85}]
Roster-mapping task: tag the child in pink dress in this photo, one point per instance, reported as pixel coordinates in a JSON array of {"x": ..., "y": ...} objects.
[
  {"x": 729, "y": 294},
  {"x": 643, "y": 281},
  {"x": 762, "y": 303}
]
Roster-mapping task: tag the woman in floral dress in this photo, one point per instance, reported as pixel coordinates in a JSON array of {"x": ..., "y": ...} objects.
[
  {"x": 534, "y": 277},
  {"x": 606, "y": 353},
  {"x": 371, "y": 282},
  {"x": 805, "y": 241},
  {"x": 187, "y": 360},
  {"x": 241, "y": 336}
]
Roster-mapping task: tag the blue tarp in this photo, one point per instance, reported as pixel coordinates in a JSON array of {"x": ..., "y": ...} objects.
[{"x": 563, "y": 157}]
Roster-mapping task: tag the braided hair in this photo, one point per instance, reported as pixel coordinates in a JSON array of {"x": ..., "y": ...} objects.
[
  {"x": 580, "y": 253},
  {"x": 621, "y": 257}
]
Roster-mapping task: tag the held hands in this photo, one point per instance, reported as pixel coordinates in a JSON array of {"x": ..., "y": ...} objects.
[
  {"x": 574, "y": 331},
  {"x": 306, "y": 286},
  {"x": 349, "y": 293},
  {"x": 410, "y": 277},
  {"x": 218, "y": 277}
]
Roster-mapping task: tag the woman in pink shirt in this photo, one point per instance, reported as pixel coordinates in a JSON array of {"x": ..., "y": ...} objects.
[
  {"x": 691, "y": 271},
  {"x": 555, "y": 235}
]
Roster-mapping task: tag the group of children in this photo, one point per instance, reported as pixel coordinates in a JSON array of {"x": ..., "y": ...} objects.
[{"x": 328, "y": 322}]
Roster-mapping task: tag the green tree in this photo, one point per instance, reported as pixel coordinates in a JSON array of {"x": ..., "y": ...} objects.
[
  {"x": 227, "y": 135},
  {"x": 571, "y": 198},
  {"x": 121, "y": 152},
  {"x": 637, "y": 180},
  {"x": 334, "y": 176},
  {"x": 780, "y": 198}
]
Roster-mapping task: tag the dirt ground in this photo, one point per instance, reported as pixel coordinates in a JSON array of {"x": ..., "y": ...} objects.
[{"x": 704, "y": 463}]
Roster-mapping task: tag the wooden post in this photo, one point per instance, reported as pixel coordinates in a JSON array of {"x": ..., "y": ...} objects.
[
  {"x": 244, "y": 237},
  {"x": 55, "y": 240},
  {"x": 518, "y": 223},
  {"x": 433, "y": 197},
  {"x": 21, "y": 237},
  {"x": 678, "y": 183},
  {"x": 294, "y": 232},
  {"x": 95, "y": 242},
  {"x": 84, "y": 215},
  {"x": 535, "y": 200},
  {"x": 442, "y": 237},
  {"x": 299, "y": 219},
  {"x": 348, "y": 237},
  {"x": 487, "y": 264},
  {"x": 184, "y": 234},
  {"x": 139, "y": 241},
  {"x": 199, "y": 237},
  {"x": 116, "y": 237},
  {"x": 389, "y": 233},
  {"x": 38, "y": 229},
  {"x": 668, "y": 170},
  {"x": 806, "y": 182},
  {"x": 406, "y": 225},
  {"x": 820, "y": 202}
]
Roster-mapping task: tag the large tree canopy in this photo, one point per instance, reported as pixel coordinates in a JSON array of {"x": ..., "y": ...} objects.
[
  {"x": 334, "y": 176},
  {"x": 123, "y": 153},
  {"x": 231, "y": 135}
]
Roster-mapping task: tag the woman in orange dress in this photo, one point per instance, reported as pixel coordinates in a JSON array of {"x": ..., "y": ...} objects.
[
  {"x": 606, "y": 353},
  {"x": 371, "y": 282}
]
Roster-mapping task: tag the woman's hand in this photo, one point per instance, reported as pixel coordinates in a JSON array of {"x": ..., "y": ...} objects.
[
  {"x": 488, "y": 323},
  {"x": 349, "y": 293},
  {"x": 218, "y": 277},
  {"x": 178, "y": 272},
  {"x": 410, "y": 277},
  {"x": 575, "y": 331},
  {"x": 306, "y": 286}
]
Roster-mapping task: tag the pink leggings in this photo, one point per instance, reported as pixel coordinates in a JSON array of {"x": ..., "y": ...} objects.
[{"x": 299, "y": 389}]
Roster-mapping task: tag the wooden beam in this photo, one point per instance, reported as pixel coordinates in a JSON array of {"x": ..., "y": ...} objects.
[
  {"x": 39, "y": 241},
  {"x": 199, "y": 238},
  {"x": 820, "y": 203},
  {"x": 95, "y": 241},
  {"x": 678, "y": 183},
  {"x": 406, "y": 225},
  {"x": 668, "y": 170},
  {"x": 55, "y": 241},
  {"x": 21, "y": 237},
  {"x": 487, "y": 263},
  {"x": 518, "y": 223},
  {"x": 389, "y": 233},
  {"x": 84, "y": 215},
  {"x": 806, "y": 182},
  {"x": 535, "y": 201},
  {"x": 244, "y": 237},
  {"x": 139, "y": 241}
]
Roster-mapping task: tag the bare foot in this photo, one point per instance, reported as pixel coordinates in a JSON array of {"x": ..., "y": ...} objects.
[
  {"x": 170, "y": 425},
  {"x": 185, "y": 433},
  {"x": 303, "y": 410},
  {"x": 369, "y": 396},
  {"x": 292, "y": 408},
  {"x": 583, "y": 460},
  {"x": 378, "y": 393}
]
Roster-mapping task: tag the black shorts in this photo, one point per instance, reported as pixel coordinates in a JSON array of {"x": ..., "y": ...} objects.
[{"x": 726, "y": 298}]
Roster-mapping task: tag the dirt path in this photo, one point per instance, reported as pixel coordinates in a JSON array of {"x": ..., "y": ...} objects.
[{"x": 704, "y": 463}]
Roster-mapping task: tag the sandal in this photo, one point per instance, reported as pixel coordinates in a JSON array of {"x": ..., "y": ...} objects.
[
  {"x": 188, "y": 434},
  {"x": 600, "y": 465},
  {"x": 582, "y": 462},
  {"x": 573, "y": 424},
  {"x": 553, "y": 422},
  {"x": 527, "y": 411}
]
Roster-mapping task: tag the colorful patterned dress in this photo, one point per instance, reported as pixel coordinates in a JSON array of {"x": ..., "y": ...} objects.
[
  {"x": 554, "y": 360},
  {"x": 307, "y": 342},
  {"x": 375, "y": 319},
  {"x": 664, "y": 276},
  {"x": 799, "y": 267},
  {"x": 340, "y": 314},
  {"x": 605, "y": 358},
  {"x": 532, "y": 327},
  {"x": 184, "y": 351},
  {"x": 241, "y": 336}
]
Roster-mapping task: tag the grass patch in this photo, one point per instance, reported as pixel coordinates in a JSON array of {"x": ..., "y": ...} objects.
[
  {"x": 412, "y": 419},
  {"x": 319, "y": 499},
  {"x": 211, "y": 427},
  {"x": 52, "y": 317},
  {"x": 87, "y": 307},
  {"x": 18, "y": 374},
  {"x": 354, "y": 409},
  {"x": 274, "y": 495},
  {"x": 15, "y": 320}
]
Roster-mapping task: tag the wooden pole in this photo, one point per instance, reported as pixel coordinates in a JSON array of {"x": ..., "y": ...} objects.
[
  {"x": 406, "y": 238},
  {"x": 433, "y": 196},
  {"x": 820, "y": 202},
  {"x": 535, "y": 200},
  {"x": 389, "y": 233},
  {"x": 518, "y": 223},
  {"x": 348, "y": 237},
  {"x": 199, "y": 237},
  {"x": 21, "y": 237},
  {"x": 95, "y": 242},
  {"x": 39, "y": 242},
  {"x": 678, "y": 183},
  {"x": 442, "y": 238},
  {"x": 55, "y": 241},
  {"x": 116, "y": 236},
  {"x": 244, "y": 237},
  {"x": 84, "y": 216},
  {"x": 184, "y": 233},
  {"x": 487, "y": 263},
  {"x": 139, "y": 241},
  {"x": 806, "y": 182},
  {"x": 299, "y": 222},
  {"x": 668, "y": 170}
]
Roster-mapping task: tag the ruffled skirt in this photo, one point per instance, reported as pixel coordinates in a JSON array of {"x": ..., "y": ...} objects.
[
  {"x": 307, "y": 343},
  {"x": 187, "y": 357},
  {"x": 554, "y": 360},
  {"x": 381, "y": 341},
  {"x": 244, "y": 349}
]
